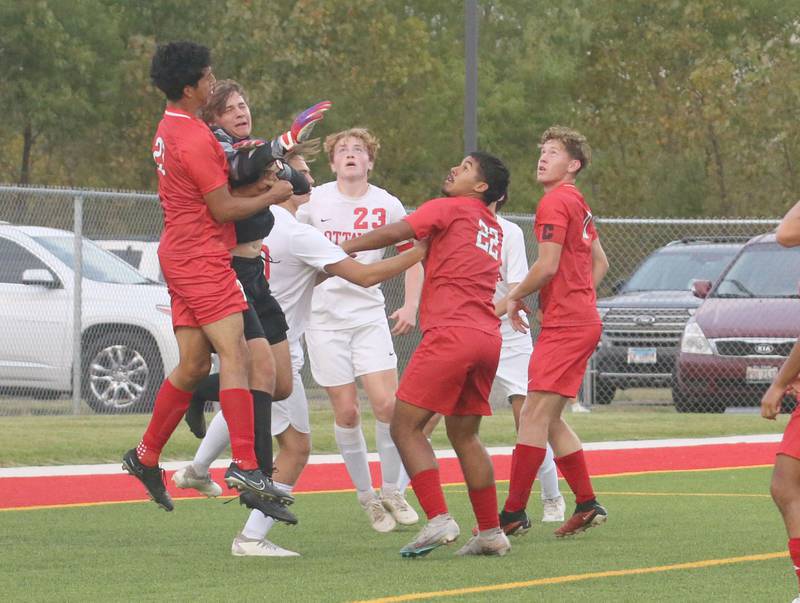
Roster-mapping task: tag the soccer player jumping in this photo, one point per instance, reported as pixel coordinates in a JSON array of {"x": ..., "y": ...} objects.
[
  {"x": 570, "y": 265},
  {"x": 452, "y": 369}
]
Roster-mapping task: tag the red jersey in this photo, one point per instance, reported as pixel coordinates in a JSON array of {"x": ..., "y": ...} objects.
[
  {"x": 563, "y": 217},
  {"x": 463, "y": 263},
  {"x": 190, "y": 163}
]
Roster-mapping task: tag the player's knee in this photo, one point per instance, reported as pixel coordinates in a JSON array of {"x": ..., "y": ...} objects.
[
  {"x": 384, "y": 408},
  {"x": 780, "y": 491},
  {"x": 348, "y": 417},
  {"x": 195, "y": 369}
]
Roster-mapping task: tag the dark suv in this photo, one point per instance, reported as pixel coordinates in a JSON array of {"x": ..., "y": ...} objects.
[
  {"x": 742, "y": 333},
  {"x": 644, "y": 320}
]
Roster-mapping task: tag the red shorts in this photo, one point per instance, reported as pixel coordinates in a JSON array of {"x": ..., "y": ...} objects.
[
  {"x": 559, "y": 358},
  {"x": 451, "y": 371},
  {"x": 203, "y": 289},
  {"x": 790, "y": 444}
]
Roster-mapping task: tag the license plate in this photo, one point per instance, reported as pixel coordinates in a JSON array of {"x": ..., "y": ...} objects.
[
  {"x": 642, "y": 356},
  {"x": 760, "y": 374}
]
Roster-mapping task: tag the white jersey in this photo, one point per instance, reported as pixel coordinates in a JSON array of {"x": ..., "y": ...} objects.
[
  {"x": 338, "y": 304},
  {"x": 297, "y": 254},
  {"x": 513, "y": 268}
]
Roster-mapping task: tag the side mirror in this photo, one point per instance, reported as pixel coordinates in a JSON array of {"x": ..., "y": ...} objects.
[
  {"x": 40, "y": 277},
  {"x": 617, "y": 287},
  {"x": 701, "y": 288}
]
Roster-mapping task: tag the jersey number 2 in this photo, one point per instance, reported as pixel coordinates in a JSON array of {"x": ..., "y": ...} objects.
[
  {"x": 158, "y": 155},
  {"x": 488, "y": 239},
  {"x": 361, "y": 223}
]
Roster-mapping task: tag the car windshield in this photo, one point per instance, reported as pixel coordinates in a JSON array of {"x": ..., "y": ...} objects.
[
  {"x": 98, "y": 264},
  {"x": 762, "y": 270},
  {"x": 675, "y": 271}
]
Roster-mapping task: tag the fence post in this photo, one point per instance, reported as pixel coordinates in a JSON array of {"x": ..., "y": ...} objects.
[
  {"x": 77, "y": 290},
  {"x": 587, "y": 390}
]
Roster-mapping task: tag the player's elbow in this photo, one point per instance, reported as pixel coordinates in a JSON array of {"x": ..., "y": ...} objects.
[{"x": 787, "y": 236}]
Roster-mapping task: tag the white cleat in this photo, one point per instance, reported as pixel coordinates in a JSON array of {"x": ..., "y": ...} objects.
[
  {"x": 379, "y": 519},
  {"x": 188, "y": 478},
  {"x": 252, "y": 547},
  {"x": 554, "y": 509},
  {"x": 440, "y": 530},
  {"x": 490, "y": 542},
  {"x": 578, "y": 407},
  {"x": 396, "y": 504}
]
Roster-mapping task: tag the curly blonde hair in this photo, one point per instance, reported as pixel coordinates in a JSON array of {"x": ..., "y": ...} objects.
[
  {"x": 574, "y": 142},
  {"x": 369, "y": 140}
]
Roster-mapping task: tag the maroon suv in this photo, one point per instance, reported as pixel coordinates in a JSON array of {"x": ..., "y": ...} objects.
[{"x": 741, "y": 334}]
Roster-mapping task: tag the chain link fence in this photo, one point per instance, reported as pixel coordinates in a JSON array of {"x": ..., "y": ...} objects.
[{"x": 691, "y": 316}]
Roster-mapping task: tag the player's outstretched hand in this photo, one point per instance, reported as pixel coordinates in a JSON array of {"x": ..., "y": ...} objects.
[
  {"x": 771, "y": 402},
  {"x": 249, "y": 143},
  {"x": 406, "y": 320},
  {"x": 304, "y": 124},
  {"x": 280, "y": 191},
  {"x": 515, "y": 310}
]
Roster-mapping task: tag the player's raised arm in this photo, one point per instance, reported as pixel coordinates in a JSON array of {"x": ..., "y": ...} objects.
[
  {"x": 225, "y": 207},
  {"x": 367, "y": 275},
  {"x": 390, "y": 234}
]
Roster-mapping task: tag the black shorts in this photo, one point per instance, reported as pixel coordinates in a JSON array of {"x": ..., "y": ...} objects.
[{"x": 264, "y": 317}]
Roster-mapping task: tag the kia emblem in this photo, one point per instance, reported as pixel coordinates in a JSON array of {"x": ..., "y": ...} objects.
[{"x": 764, "y": 348}]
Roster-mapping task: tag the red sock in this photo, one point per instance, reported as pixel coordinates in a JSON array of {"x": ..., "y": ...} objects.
[
  {"x": 170, "y": 406},
  {"x": 427, "y": 486},
  {"x": 237, "y": 408},
  {"x": 484, "y": 505},
  {"x": 525, "y": 463},
  {"x": 794, "y": 553},
  {"x": 573, "y": 468}
]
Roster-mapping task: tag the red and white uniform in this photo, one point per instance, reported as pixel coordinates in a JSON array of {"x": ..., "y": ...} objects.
[
  {"x": 452, "y": 369},
  {"x": 571, "y": 325},
  {"x": 349, "y": 335},
  {"x": 194, "y": 248}
]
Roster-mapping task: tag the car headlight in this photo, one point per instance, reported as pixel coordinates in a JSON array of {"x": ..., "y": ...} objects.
[{"x": 694, "y": 340}]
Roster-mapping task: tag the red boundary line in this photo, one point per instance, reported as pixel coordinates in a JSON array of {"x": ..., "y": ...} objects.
[{"x": 23, "y": 492}]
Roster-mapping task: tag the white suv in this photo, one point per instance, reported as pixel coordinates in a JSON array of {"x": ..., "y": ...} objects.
[
  {"x": 126, "y": 332},
  {"x": 142, "y": 255}
]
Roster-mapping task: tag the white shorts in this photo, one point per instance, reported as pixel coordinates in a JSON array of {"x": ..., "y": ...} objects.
[
  {"x": 293, "y": 411},
  {"x": 512, "y": 375},
  {"x": 338, "y": 357}
]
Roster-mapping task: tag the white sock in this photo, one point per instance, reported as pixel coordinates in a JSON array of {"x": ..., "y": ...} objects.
[
  {"x": 216, "y": 440},
  {"x": 548, "y": 476},
  {"x": 391, "y": 465},
  {"x": 353, "y": 448},
  {"x": 258, "y": 525}
]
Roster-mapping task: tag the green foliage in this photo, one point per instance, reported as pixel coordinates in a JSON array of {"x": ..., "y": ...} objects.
[{"x": 689, "y": 104}]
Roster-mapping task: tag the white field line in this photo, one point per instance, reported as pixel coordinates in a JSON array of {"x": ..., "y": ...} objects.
[{"x": 327, "y": 459}]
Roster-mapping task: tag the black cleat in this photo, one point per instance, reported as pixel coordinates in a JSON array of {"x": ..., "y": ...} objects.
[
  {"x": 269, "y": 508},
  {"x": 152, "y": 477},
  {"x": 514, "y": 523},
  {"x": 195, "y": 418},
  {"x": 257, "y": 482}
]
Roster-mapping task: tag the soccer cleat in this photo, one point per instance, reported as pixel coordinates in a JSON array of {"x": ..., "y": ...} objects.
[
  {"x": 187, "y": 478},
  {"x": 554, "y": 509},
  {"x": 440, "y": 530},
  {"x": 252, "y": 547},
  {"x": 151, "y": 477},
  {"x": 269, "y": 508},
  {"x": 195, "y": 418},
  {"x": 578, "y": 407},
  {"x": 514, "y": 523},
  {"x": 398, "y": 506},
  {"x": 582, "y": 521},
  {"x": 380, "y": 520},
  {"x": 256, "y": 481},
  {"x": 490, "y": 542}
]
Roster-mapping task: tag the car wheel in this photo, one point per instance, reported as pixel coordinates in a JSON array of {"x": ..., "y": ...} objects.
[
  {"x": 604, "y": 392},
  {"x": 122, "y": 372},
  {"x": 688, "y": 403}
]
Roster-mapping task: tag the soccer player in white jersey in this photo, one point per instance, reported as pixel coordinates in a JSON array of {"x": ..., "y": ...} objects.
[
  {"x": 299, "y": 257},
  {"x": 511, "y": 380},
  {"x": 349, "y": 336}
]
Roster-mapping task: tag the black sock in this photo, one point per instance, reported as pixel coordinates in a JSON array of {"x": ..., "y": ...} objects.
[
  {"x": 208, "y": 390},
  {"x": 262, "y": 420}
]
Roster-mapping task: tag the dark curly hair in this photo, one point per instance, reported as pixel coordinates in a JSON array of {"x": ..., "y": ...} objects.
[
  {"x": 177, "y": 65},
  {"x": 495, "y": 174}
]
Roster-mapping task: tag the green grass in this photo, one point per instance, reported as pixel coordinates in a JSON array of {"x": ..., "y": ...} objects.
[
  {"x": 133, "y": 551},
  {"x": 89, "y": 438}
]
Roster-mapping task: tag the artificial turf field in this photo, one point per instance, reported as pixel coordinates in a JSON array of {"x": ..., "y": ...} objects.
[{"x": 671, "y": 536}]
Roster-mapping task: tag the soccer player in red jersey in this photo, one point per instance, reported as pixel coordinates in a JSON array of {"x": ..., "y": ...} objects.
[
  {"x": 785, "y": 487},
  {"x": 570, "y": 265},
  {"x": 194, "y": 252},
  {"x": 452, "y": 369}
]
